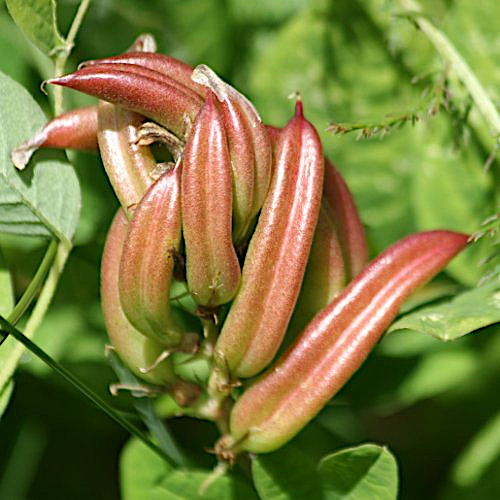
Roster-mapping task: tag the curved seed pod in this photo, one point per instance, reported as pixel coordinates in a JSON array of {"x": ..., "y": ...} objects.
[
  {"x": 137, "y": 351},
  {"x": 139, "y": 89},
  {"x": 75, "y": 129},
  {"x": 212, "y": 268},
  {"x": 167, "y": 65},
  {"x": 128, "y": 165},
  {"x": 338, "y": 253},
  {"x": 336, "y": 342},
  {"x": 277, "y": 256},
  {"x": 250, "y": 148},
  {"x": 148, "y": 260},
  {"x": 347, "y": 222}
]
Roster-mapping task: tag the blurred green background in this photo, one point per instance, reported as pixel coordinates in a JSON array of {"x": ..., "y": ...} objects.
[{"x": 353, "y": 61}]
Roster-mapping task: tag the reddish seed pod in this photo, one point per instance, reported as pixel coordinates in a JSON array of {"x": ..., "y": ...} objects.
[
  {"x": 139, "y": 89},
  {"x": 338, "y": 253},
  {"x": 336, "y": 342},
  {"x": 345, "y": 216},
  {"x": 137, "y": 351},
  {"x": 249, "y": 147},
  {"x": 128, "y": 165},
  {"x": 276, "y": 258},
  {"x": 147, "y": 262},
  {"x": 167, "y": 65},
  {"x": 75, "y": 129},
  {"x": 212, "y": 268}
]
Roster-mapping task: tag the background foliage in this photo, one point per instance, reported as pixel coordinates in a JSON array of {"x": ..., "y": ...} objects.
[{"x": 363, "y": 66}]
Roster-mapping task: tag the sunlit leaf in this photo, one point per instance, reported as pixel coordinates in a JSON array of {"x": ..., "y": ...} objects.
[
  {"x": 465, "y": 313},
  {"x": 364, "y": 472},
  {"x": 37, "y": 18},
  {"x": 45, "y": 198}
]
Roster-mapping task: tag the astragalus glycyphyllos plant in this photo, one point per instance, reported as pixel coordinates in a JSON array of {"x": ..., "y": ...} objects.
[{"x": 254, "y": 223}]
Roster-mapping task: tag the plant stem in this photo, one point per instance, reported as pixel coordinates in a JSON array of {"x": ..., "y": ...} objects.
[
  {"x": 62, "y": 56},
  {"x": 446, "y": 49},
  {"x": 86, "y": 391},
  {"x": 30, "y": 292}
]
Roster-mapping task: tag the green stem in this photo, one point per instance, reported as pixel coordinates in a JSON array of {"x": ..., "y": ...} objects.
[
  {"x": 30, "y": 292},
  {"x": 86, "y": 391},
  {"x": 446, "y": 49},
  {"x": 62, "y": 56},
  {"x": 39, "y": 310}
]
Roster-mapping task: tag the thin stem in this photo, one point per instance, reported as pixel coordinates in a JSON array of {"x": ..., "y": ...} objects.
[
  {"x": 35, "y": 284},
  {"x": 75, "y": 25},
  {"x": 39, "y": 309},
  {"x": 456, "y": 61},
  {"x": 62, "y": 56},
  {"x": 86, "y": 391}
]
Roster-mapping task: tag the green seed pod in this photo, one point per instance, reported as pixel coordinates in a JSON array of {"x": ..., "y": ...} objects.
[
  {"x": 147, "y": 263},
  {"x": 137, "y": 351},
  {"x": 335, "y": 344},
  {"x": 276, "y": 258},
  {"x": 212, "y": 268}
]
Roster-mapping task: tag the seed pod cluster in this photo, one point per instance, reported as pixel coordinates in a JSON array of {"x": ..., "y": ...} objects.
[{"x": 258, "y": 229}]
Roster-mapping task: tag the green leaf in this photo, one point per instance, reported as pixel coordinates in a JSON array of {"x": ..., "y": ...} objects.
[
  {"x": 286, "y": 474},
  {"x": 37, "y": 18},
  {"x": 436, "y": 373},
  {"x": 140, "y": 470},
  {"x": 143, "y": 474},
  {"x": 6, "y": 288},
  {"x": 451, "y": 190},
  {"x": 464, "y": 314},
  {"x": 5, "y": 394},
  {"x": 44, "y": 199},
  {"x": 181, "y": 484},
  {"x": 6, "y": 306},
  {"x": 365, "y": 472},
  {"x": 263, "y": 11},
  {"x": 146, "y": 410},
  {"x": 479, "y": 454}
]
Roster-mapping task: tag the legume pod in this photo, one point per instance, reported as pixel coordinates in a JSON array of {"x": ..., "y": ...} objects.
[
  {"x": 338, "y": 253},
  {"x": 139, "y": 89},
  {"x": 167, "y": 65},
  {"x": 212, "y": 267},
  {"x": 276, "y": 258},
  {"x": 137, "y": 351},
  {"x": 336, "y": 342},
  {"x": 249, "y": 147},
  {"x": 147, "y": 262},
  {"x": 75, "y": 129},
  {"x": 128, "y": 165}
]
